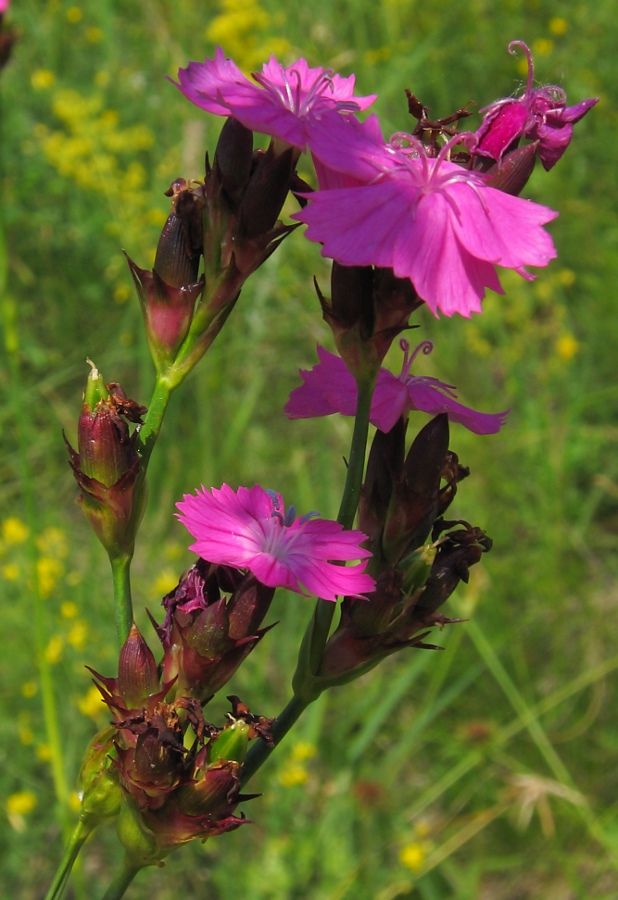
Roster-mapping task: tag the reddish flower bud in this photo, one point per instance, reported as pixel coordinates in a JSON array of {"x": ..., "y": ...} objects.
[
  {"x": 512, "y": 172},
  {"x": 401, "y": 506},
  {"x": 172, "y": 794},
  {"x": 207, "y": 635},
  {"x": 168, "y": 295},
  {"x": 168, "y": 312},
  {"x": 367, "y": 309},
  {"x": 106, "y": 466}
]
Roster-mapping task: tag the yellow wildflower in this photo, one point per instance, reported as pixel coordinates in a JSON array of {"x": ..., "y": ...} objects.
[
  {"x": 74, "y": 15},
  {"x": 53, "y": 651},
  {"x": 91, "y": 704},
  {"x": 542, "y": 47},
  {"x": 102, "y": 78},
  {"x": 69, "y": 610},
  {"x": 558, "y": 25},
  {"x": 412, "y": 856},
  {"x": 566, "y": 347},
  {"x": 94, "y": 35},
  {"x": 53, "y": 542},
  {"x": 29, "y": 688},
  {"x": 18, "y": 806},
  {"x": 10, "y": 572},
  {"x": 566, "y": 277},
  {"x": 49, "y": 571},
  {"x": 78, "y": 635},
  {"x": 42, "y": 79},
  {"x": 20, "y": 803},
  {"x": 26, "y": 734},
  {"x": 14, "y": 531},
  {"x": 43, "y": 751},
  {"x": 166, "y": 581},
  {"x": 303, "y": 750},
  {"x": 293, "y": 774}
]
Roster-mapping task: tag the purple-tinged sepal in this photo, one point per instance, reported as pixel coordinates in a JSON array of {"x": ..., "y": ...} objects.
[{"x": 213, "y": 621}]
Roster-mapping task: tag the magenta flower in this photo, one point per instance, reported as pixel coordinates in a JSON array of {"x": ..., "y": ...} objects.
[
  {"x": 282, "y": 103},
  {"x": 330, "y": 388},
  {"x": 428, "y": 219},
  {"x": 540, "y": 114},
  {"x": 249, "y": 529}
]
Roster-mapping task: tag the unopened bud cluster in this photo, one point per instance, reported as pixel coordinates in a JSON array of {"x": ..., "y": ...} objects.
[{"x": 165, "y": 774}]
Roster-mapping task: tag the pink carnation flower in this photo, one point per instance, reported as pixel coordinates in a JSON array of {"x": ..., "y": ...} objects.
[
  {"x": 330, "y": 388},
  {"x": 540, "y": 114},
  {"x": 281, "y": 104},
  {"x": 249, "y": 529},
  {"x": 428, "y": 219}
]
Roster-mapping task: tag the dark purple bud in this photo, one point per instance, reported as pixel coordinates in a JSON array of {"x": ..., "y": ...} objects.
[
  {"x": 233, "y": 159},
  {"x": 511, "y": 174},
  {"x": 265, "y": 194},
  {"x": 416, "y": 496}
]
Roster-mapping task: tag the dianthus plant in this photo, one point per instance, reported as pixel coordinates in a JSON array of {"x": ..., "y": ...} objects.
[{"x": 418, "y": 222}]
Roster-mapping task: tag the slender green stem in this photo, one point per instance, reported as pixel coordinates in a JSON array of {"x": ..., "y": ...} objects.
[
  {"x": 317, "y": 632},
  {"x": 121, "y": 575},
  {"x": 121, "y": 565},
  {"x": 74, "y": 845},
  {"x": 121, "y": 882},
  {"x": 260, "y": 751},
  {"x": 358, "y": 449},
  {"x": 153, "y": 420},
  {"x": 321, "y": 622}
]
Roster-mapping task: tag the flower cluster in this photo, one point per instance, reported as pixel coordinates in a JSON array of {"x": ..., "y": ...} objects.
[
  {"x": 421, "y": 218},
  {"x": 401, "y": 204},
  {"x": 161, "y": 770}
]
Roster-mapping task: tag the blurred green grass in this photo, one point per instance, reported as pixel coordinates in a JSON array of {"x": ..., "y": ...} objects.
[{"x": 484, "y": 771}]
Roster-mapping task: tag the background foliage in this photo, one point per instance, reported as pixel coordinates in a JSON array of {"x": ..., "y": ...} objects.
[{"x": 484, "y": 771}]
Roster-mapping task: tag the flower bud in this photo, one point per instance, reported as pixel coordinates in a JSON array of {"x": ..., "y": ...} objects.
[
  {"x": 416, "y": 492},
  {"x": 207, "y": 635},
  {"x": 138, "y": 677},
  {"x": 367, "y": 309},
  {"x": 512, "y": 172},
  {"x": 233, "y": 160},
  {"x": 264, "y": 196},
  {"x": 168, "y": 295},
  {"x": 106, "y": 466}
]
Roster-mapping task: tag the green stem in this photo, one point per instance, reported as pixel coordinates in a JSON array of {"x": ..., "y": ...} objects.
[
  {"x": 320, "y": 625},
  {"x": 153, "y": 420},
  {"x": 121, "y": 565},
  {"x": 121, "y": 882},
  {"x": 260, "y": 751},
  {"x": 121, "y": 575},
  {"x": 317, "y": 632},
  {"x": 76, "y": 842},
  {"x": 358, "y": 449}
]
